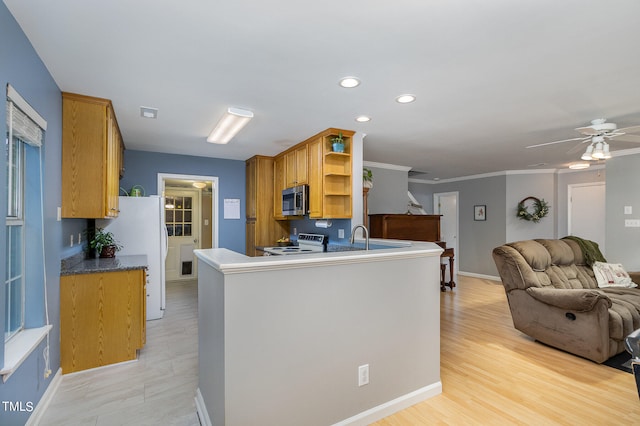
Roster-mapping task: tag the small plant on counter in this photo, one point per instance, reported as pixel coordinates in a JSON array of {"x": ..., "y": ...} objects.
[{"x": 104, "y": 243}]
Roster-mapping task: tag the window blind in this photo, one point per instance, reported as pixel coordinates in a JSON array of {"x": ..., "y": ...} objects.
[{"x": 24, "y": 121}]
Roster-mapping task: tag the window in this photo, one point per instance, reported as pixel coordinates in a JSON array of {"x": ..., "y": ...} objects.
[
  {"x": 14, "y": 282},
  {"x": 25, "y": 279},
  {"x": 178, "y": 216}
]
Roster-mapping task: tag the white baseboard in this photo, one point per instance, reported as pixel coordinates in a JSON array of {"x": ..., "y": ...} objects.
[
  {"x": 390, "y": 407},
  {"x": 201, "y": 408},
  {"x": 47, "y": 396},
  {"x": 484, "y": 277},
  {"x": 361, "y": 419}
]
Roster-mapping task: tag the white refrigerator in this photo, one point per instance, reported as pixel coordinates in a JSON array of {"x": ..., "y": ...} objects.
[{"x": 140, "y": 229}]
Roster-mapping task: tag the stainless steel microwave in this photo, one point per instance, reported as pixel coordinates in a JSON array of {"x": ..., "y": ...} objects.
[{"x": 295, "y": 201}]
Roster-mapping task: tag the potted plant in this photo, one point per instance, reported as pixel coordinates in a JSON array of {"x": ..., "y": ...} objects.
[
  {"x": 338, "y": 143},
  {"x": 367, "y": 178},
  {"x": 104, "y": 243}
]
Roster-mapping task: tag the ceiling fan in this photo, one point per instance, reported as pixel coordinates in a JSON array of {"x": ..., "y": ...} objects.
[{"x": 598, "y": 133}]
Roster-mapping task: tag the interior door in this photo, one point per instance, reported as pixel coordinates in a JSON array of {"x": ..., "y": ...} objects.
[
  {"x": 586, "y": 208},
  {"x": 446, "y": 204},
  {"x": 182, "y": 219}
]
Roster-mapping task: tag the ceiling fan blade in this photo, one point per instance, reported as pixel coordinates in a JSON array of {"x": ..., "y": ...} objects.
[
  {"x": 588, "y": 130},
  {"x": 630, "y": 129},
  {"x": 627, "y": 138},
  {"x": 555, "y": 142}
]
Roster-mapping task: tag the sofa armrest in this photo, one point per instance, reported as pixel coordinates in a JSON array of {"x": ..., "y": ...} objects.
[
  {"x": 578, "y": 300},
  {"x": 635, "y": 277}
]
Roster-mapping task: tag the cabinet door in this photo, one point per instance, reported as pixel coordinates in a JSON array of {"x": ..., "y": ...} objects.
[
  {"x": 250, "y": 238},
  {"x": 301, "y": 165},
  {"x": 290, "y": 169},
  {"x": 102, "y": 318},
  {"x": 315, "y": 179},
  {"x": 251, "y": 189},
  {"x": 278, "y": 185},
  {"x": 112, "y": 167}
]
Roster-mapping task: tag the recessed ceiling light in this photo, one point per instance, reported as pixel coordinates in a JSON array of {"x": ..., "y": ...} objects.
[
  {"x": 579, "y": 166},
  {"x": 363, "y": 119},
  {"x": 148, "y": 112},
  {"x": 405, "y": 99},
  {"x": 349, "y": 82}
]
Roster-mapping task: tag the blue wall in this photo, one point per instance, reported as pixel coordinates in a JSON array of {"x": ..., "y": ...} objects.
[
  {"x": 22, "y": 68},
  {"x": 142, "y": 168}
]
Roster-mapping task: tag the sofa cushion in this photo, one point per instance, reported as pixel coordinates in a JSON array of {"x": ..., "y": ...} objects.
[
  {"x": 560, "y": 252},
  {"x": 611, "y": 275},
  {"x": 534, "y": 254}
]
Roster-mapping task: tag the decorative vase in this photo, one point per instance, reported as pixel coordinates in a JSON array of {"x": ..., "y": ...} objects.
[
  {"x": 367, "y": 184},
  {"x": 108, "y": 251},
  {"x": 338, "y": 147}
]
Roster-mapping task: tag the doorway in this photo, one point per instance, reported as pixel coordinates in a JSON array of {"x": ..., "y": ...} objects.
[
  {"x": 190, "y": 219},
  {"x": 446, "y": 204},
  {"x": 587, "y": 206}
]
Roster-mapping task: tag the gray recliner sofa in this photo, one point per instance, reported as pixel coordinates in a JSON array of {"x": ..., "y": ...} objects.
[{"x": 554, "y": 298}]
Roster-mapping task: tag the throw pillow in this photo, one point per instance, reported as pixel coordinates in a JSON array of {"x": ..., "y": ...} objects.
[{"x": 611, "y": 275}]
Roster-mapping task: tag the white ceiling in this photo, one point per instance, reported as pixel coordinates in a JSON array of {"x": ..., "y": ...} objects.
[{"x": 491, "y": 77}]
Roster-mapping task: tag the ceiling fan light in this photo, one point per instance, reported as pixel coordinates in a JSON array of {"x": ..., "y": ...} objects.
[
  {"x": 605, "y": 152},
  {"x": 598, "y": 153},
  {"x": 587, "y": 154}
]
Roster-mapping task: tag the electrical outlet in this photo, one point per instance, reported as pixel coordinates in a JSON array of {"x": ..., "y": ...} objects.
[
  {"x": 79, "y": 237},
  {"x": 628, "y": 209},
  {"x": 295, "y": 231},
  {"x": 71, "y": 240},
  {"x": 363, "y": 375},
  {"x": 340, "y": 233}
]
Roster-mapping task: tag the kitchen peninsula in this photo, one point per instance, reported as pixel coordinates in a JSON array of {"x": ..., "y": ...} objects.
[{"x": 290, "y": 340}]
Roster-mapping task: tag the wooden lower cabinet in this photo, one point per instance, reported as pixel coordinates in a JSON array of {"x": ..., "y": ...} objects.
[{"x": 102, "y": 318}]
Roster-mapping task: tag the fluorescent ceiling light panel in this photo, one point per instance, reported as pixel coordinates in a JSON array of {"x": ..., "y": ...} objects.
[
  {"x": 349, "y": 82},
  {"x": 229, "y": 125},
  {"x": 148, "y": 112}
]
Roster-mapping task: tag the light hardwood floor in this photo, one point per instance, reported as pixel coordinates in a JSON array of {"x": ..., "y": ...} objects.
[{"x": 491, "y": 374}]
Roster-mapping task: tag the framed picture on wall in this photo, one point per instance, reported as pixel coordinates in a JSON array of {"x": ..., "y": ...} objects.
[{"x": 480, "y": 212}]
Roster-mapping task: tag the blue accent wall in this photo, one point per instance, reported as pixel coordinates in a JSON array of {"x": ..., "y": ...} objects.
[
  {"x": 22, "y": 68},
  {"x": 142, "y": 168}
]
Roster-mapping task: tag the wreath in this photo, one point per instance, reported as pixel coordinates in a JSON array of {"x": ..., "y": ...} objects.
[{"x": 540, "y": 209}]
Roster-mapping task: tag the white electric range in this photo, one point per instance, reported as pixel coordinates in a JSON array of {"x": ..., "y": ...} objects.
[{"x": 307, "y": 243}]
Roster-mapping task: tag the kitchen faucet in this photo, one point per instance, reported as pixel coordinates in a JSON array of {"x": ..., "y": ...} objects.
[{"x": 366, "y": 235}]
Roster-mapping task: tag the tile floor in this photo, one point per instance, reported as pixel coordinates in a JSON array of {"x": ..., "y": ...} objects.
[{"x": 157, "y": 389}]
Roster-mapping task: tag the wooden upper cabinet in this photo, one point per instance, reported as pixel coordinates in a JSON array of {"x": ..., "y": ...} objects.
[
  {"x": 279, "y": 183},
  {"x": 91, "y": 157},
  {"x": 296, "y": 166}
]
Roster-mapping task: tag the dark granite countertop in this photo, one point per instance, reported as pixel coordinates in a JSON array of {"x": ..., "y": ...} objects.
[{"x": 89, "y": 266}]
